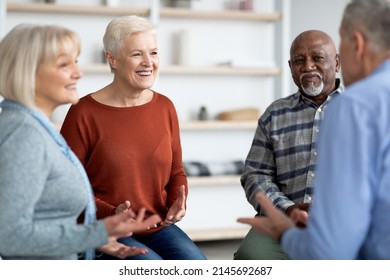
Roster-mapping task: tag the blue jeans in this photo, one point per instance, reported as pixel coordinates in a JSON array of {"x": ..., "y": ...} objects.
[{"x": 169, "y": 243}]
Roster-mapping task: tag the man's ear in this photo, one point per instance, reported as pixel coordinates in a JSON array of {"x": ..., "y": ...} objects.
[
  {"x": 360, "y": 45},
  {"x": 337, "y": 62}
]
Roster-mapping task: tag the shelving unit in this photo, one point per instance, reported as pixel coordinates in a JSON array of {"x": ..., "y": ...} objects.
[
  {"x": 118, "y": 11},
  {"x": 218, "y": 125},
  {"x": 213, "y": 180},
  {"x": 74, "y": 9},
  {"x": 216, "y": 15},
  {"x": 214, "y": 202}
]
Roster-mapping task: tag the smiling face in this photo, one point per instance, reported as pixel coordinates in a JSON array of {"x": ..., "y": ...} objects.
[
  {"x": 55, "y": 82},
  {"x": 314, "y": 63},
  {"x": 137, "y": 63}
]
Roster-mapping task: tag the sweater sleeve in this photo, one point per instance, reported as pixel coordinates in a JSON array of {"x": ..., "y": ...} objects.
[
  {"x": 72, "y": 131},
  {"x": 178, "y": 176}
]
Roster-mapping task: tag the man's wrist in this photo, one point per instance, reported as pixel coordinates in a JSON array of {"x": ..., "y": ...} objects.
[{"x": 281, "y": 234}]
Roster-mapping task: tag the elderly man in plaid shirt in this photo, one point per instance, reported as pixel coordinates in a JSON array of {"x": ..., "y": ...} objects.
[{"x": 281, "y": 160}]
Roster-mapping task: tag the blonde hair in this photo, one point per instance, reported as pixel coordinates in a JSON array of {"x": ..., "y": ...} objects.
[{"x": 23, "y": 50}]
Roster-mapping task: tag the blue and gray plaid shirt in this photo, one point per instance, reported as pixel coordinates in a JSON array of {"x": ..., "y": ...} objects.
[{"x": 281, "y": 160}]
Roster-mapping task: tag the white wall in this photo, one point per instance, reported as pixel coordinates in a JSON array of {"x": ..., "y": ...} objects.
[
  {"x": 324, "y": 15},
  {"x": 317, "y": 14}
]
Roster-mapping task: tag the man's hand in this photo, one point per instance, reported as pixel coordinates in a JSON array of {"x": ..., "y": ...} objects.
[
  {"x": 274, "y": 224},
  {"x": 298, "y": 213}
]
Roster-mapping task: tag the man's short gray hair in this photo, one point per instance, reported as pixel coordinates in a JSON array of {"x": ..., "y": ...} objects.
[{"x": 372, "y": 19}]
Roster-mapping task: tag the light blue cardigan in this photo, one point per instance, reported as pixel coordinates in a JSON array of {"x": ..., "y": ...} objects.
[{"x": 41, "y": 195}]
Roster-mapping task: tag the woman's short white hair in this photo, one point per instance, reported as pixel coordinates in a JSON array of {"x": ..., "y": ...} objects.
[
  {"x": 23, "y": 50},
  {"x": 122, "y": 27}
]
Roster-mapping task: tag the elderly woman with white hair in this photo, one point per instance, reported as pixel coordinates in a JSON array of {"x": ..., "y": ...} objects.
[{"x": 127, "y": 136}]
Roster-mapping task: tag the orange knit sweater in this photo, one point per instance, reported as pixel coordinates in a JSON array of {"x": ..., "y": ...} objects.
[{"x": 131, "y": 153}]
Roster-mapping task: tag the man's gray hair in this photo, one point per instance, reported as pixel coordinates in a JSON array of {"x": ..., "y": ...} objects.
[{"x": 372, "y": 19}]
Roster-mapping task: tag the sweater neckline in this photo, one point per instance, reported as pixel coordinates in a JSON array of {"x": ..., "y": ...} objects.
[{"x": 97, "y": 103}]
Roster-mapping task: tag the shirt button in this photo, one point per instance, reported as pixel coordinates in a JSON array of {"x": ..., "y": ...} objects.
[{"x": 312, "y": 174}]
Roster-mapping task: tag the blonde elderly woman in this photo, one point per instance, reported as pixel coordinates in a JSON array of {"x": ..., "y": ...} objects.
[
  {"x": 127, "y": 136},
  {"x": 43, "y": 187}
]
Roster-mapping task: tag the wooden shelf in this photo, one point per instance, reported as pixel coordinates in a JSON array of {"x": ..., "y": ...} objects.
[
  {"x": 220, "y": 70},
  {"x": 209, "y": 125},
  {"x": 75, "y": 9},
  {"x": 96, "y": 68},
  {"x": 213, "y": 180},
  {"x": 219, "y": 125},
  {"x": 228, "y": 15},
  {"x": 164, "y": 12},
  {"x": 217, "y": 234},
  {"x": 101, "y": 68}
]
